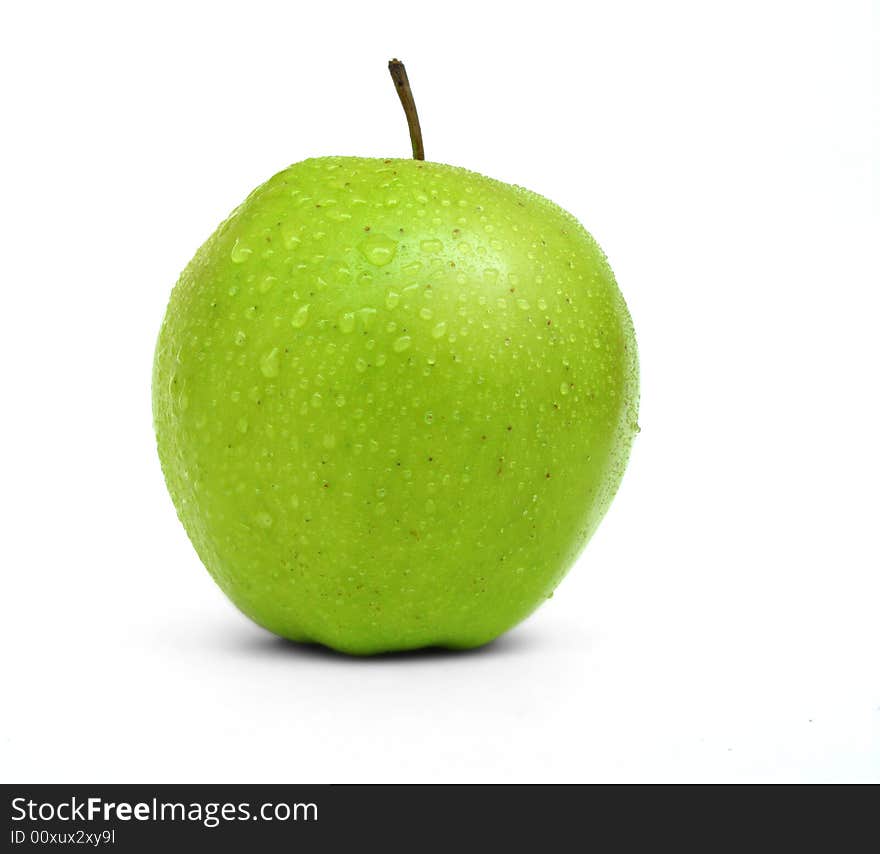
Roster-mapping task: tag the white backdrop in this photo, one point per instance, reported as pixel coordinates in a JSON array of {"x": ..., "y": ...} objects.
[{"x": 721, "y": 626}]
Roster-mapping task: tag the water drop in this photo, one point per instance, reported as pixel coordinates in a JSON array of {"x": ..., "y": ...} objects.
[
  {"x": 392, "y": 298},
  {"x": 378, "y": 249},
  {"x": 426, "y": 313},
  {"x": 360, "y": 365},
  {"x": 240, "y": 338},
  {"x": 563, "y": 388},
  {"x": 346, "y": 322},
  {"x": 300, "y": 318},
  {"x": 240, "y": 253},
  {"x": 290, "y": 238},
  {"x": 267, "y": 284},
  {"x": 269, "y": 363},
  {"x": 439, "y": 330},
  {"x": 338, "y": 215},
  {"x": 316, "y": 400},
  {"x": 402, "y": 343},
  {"x": 431, "y": 245},
  {"x": 367, "y": 313},
  {"x": 523, "y": 304}
]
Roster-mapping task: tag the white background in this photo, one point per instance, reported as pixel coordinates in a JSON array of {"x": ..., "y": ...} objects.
[{"x": 723, "y": 623}]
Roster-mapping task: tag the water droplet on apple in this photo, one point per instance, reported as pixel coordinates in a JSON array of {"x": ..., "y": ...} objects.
[
  {"x": 378, "y": 249},
  {"x": 360, "y": 365},
  {"x": 240, "y": 338},
  {"x": 338, "y": 215},
  {"x": 426, "y": 313},
  {"x": 346, "y": 322},
  {"x": 431, "y": 245},
  {"x": 269, "y": 363},
  {"x": 523, "y": 304},
  {"x": 367, "y": 313},
  {"x": 267, "y": 284},
  {"x": 240, "y": 253},
  {"x": 392, "y": 298},
  {"x": 317, "y": 400},
  {"x": 290, "y": 237},
  {"x": 402, "y": 343},
  {"x": 563, "y": 388},
  {"x": 429, "y": 417},
  {"x": 301, "y": 316},
  {"x": 340, "y": 400},
  {"x": 439, "y": 330}
]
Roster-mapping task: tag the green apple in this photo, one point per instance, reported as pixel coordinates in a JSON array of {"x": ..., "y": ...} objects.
[{"x": 393, "y": 400}]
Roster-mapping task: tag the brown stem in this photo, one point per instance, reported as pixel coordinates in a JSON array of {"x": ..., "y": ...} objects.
[{"x": 401, "y": 83}]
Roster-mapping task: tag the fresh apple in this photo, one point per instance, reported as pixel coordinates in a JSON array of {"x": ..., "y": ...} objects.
[{"x": 393, "y": 400}]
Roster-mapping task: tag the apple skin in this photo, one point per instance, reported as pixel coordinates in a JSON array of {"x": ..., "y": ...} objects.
[{"x": 393, "y": 400}]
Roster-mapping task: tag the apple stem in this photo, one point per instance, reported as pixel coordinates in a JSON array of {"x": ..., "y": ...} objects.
[{"x": 401, "y": 83}]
